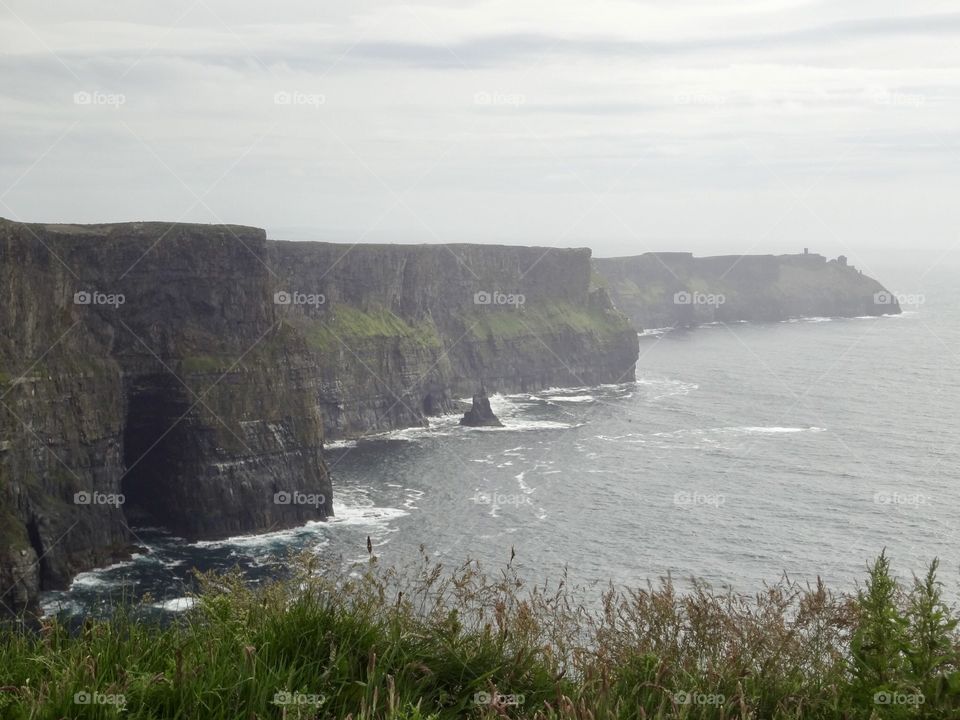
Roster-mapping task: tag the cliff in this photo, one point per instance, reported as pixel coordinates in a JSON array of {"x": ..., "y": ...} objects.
[
  {"x": 183, "y": 376},
  {"x": 677, "y": 289},
  {"x": 404, "y": 330}
]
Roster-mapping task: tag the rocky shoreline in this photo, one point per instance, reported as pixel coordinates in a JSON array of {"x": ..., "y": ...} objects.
[{"x": 187, "y": 376}]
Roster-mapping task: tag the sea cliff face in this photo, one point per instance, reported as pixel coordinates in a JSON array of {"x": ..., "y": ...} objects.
[
  {"x": 405, "y": 330},
  {"x": 184, "y": 376},
  {"x": 677, "y": 289}
]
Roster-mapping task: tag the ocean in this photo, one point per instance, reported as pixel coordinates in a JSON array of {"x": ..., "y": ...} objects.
[{"x": 742, "y": 452}]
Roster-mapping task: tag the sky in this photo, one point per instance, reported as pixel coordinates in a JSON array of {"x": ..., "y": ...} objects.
[{"x": 706, "y": 126}]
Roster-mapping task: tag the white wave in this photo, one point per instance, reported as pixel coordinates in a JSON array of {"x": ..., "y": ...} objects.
[
  {"x": 512, "y": 452},
  {"x": 776, "y": 429},
  {"x": 553, "y": 390},
  {"x": 815, "y": 319},
  {"x": 410, "y": 503},
  {"x": 521, "y": 484},
  {"x": 709, "y": 435},
  {"x": 526, "y": 425},
  {"x": 654, "y": 332},
  {"x": 628, "y": 438},
  {"x": 573, "y": 398},
  {"x": 95, "y": 578},
  {"x": 263, "y": 540},
  {"x": 176, "y": 604},
  {"x": 437, "y": 426},
  {"x": 60, "y": 603},
  {"x": 339, "y": 444},
  {"x": 618, "y": 386},
  {"x": 365, "y": 515},
  {"x": 669, "y": 387}
]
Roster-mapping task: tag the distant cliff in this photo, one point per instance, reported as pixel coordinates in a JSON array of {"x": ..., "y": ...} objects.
[
  {"x": 677, "y": 289},
  {"x": 404, "y": 329},
  {"x": 184, "y": 376}
]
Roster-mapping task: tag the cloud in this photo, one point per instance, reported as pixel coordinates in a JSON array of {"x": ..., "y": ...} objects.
[{"x": 547, "y": 122}]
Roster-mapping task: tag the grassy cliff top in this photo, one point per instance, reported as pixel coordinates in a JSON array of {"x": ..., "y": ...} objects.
[{"x": 451, "y": 643}]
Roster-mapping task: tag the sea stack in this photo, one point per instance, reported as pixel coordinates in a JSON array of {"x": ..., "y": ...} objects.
[{"x": 480, "y": 415}]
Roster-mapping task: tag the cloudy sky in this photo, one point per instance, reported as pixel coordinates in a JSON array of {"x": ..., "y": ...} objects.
[{"x": 712, "y": 126}]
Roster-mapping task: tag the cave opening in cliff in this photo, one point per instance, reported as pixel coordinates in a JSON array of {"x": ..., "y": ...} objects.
[{"x": 152, "y": 449}]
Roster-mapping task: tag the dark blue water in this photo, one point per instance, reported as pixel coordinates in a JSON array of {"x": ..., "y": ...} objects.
[{"x": 740, "y": 453}]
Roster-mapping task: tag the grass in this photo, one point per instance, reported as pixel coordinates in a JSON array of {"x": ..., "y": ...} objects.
[
  {"x": 436, "y": 643},
  {"x": 345, "y": 323},
  {"x": 543, "y": 318}
]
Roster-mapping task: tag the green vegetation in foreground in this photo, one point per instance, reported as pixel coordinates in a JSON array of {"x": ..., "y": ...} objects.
[
  {"x": 459, "y": 644},
  {"x": 346, "y": 322},
  {"x": 544, "y": 318}
]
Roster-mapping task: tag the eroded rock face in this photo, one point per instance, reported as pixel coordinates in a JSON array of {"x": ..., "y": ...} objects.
[
  {"x": 145, "y": 378},
  {"x": 184, "y": 376},
  {"x": 404, "y": 330},
  {"x": 19, "y": 580},
  {"x": 481, "y": 414},
  {"x": 676, "y": 289}
]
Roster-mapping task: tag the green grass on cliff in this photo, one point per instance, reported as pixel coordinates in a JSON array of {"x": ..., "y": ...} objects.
[
  {"x": 650, "y": 294},
  {"x": 455, "y": 643},
  {"x": 346, "y": 323},
  {"x": 544, "y": 319}
]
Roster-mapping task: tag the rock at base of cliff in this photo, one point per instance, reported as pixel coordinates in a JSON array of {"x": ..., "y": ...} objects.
[{"x": 480, "y": 415}]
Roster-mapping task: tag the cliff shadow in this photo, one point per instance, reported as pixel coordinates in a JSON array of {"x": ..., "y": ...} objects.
[{"x": 153, "y": 440}]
